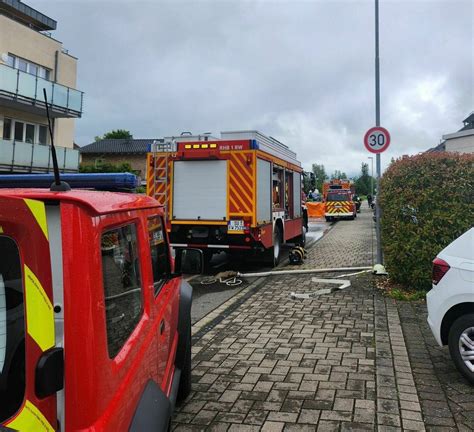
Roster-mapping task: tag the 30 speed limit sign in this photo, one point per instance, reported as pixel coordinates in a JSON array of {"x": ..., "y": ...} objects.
[{"x": 377, "y": 139}]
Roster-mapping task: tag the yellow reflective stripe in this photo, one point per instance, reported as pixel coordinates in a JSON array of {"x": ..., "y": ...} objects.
[
  {"x": 31, "y": 419},
  {"x": 39, "y": 212},
  {"x": 39, "y": 312},
  {"x": 1, "y": 230}
]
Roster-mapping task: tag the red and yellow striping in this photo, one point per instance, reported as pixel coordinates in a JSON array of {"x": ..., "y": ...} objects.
[{"x": 334, "y": 207}]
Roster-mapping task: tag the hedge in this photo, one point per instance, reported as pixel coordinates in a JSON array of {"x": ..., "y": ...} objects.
[{"x": 426, "y": 202}]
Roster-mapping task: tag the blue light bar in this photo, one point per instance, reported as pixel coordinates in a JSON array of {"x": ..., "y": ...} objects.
[{"x": 100, "y": 181}]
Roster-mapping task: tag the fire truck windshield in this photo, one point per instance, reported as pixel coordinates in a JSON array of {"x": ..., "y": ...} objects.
[
  {"x": 338, "y": 196},
  {"x": 12, "y": 330}
]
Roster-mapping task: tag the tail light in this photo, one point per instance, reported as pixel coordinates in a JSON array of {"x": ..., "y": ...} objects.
[
  {"x": 440, "y": 268},
  {"x": 246, "y": 227}
]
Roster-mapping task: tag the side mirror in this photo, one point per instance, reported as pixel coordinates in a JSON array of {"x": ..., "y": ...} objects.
[
  {"x": 189, "y": 261},
  {"x": 49, "y": 377}
]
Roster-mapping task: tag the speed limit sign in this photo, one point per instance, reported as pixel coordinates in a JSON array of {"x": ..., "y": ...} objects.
[{"x": 377, "y": 139}]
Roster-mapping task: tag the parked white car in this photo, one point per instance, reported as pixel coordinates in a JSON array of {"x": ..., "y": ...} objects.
[{"x": 451, "y": 302}]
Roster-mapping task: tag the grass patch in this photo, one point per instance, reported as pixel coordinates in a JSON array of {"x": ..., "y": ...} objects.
[
  {"x": 396, "y": 291},
  {"x": 398, "y": 294}
]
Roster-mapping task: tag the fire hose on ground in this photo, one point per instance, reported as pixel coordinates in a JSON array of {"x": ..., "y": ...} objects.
[{"x": 232, "y": 278}]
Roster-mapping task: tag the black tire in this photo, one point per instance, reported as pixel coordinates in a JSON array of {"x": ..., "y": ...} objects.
[
  {"x": 301, "y": 240},
  {"x": 328, "y": 219},
  {"x": 185, "y": 380},
  {"x": 207, "y": 257},
  {"x": 464, "y": 324},
  {"x": 352, "y": 217},
  {"x": 274, "y": 253}
]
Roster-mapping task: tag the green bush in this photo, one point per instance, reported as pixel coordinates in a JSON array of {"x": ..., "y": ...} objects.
[
  {"x": 427, "y": 202},
  {"x": 106, "y": 168}
]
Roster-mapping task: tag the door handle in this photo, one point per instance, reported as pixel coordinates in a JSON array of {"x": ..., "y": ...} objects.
[{"x": 162, "y": 327}]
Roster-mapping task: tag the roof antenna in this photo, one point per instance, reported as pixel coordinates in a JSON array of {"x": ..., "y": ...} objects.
[{"x": 58, "y": 185}]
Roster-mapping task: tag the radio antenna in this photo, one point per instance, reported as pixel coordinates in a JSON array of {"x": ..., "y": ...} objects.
[{"x": 58, "y": 185}]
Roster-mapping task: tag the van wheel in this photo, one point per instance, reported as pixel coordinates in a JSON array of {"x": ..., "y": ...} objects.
[
  {"x": 461, "y": 345},
  {"x": 185, "y": 380}
]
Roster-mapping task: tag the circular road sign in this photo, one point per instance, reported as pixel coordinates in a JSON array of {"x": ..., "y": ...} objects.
[{"x": 377, "y": 139}]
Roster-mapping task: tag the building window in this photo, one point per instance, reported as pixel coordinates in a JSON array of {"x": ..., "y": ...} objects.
[
  {"x": 19, "y": 126},
  {"x": 122, "y": 285},
  {"x": 30, "y": 133},
  {"x": 43, "y": 134},
  {"x": 28, "y": 67},
  {"x": 160, "y": 263},
  {"x": 25, "y": 132},
  {"x": 7, "y": 129}
]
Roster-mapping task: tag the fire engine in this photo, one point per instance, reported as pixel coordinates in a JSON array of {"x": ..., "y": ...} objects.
[
  {"x": 237, "y": 193},
  {"x": 338, "y": 198},
  {"x": 95, "y": 328}
]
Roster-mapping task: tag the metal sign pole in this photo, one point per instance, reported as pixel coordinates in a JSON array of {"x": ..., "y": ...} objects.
[{"x": 377, "y": 123}]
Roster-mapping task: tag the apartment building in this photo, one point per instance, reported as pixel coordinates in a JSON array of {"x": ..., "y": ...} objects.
[{"x": 32, "y": 60}]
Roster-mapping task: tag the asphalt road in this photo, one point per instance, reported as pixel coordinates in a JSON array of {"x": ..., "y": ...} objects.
[{"x": 208, "y": 296}]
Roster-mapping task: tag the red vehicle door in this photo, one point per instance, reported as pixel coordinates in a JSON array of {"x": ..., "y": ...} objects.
[{"x": 26, "y": 314}]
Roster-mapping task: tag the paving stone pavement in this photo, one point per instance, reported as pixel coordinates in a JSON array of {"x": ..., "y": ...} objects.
[{"x": 335, "y": 362}]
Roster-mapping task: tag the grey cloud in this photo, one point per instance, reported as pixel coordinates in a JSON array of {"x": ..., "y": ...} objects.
[{"x": 300, "y": 71}]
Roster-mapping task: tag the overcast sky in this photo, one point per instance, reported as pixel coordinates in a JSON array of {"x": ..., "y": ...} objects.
[{"x": 301, "y": 71}]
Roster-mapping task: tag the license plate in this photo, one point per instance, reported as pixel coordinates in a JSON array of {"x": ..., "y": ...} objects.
[{"x": 235, "y": 226}]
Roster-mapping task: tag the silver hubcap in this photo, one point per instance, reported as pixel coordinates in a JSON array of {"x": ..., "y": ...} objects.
[{"x": 466, "y": 347}]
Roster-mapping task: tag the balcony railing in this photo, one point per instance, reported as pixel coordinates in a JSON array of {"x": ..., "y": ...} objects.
[
  {"x": 23, "y": 87},
  {"x": 17, "y": 156}
]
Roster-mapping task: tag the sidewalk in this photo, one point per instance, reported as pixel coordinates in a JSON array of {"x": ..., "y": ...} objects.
[{"x": 332, "y": 362}]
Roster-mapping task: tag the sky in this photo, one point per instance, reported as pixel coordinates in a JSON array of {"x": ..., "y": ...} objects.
[{"x": 300, "y": 71}]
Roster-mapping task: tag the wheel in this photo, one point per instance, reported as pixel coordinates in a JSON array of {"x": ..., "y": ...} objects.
[
  {"x": 301, "y": 240},
  {"x": 328, "y": 219},
  {"x": 273, "y": 254},
  {"x": 185, "y": 380},
  {"x": 461, "y": 345},
  {"x": 207, "y": 257},
  {"x": 351, "y": 217}
]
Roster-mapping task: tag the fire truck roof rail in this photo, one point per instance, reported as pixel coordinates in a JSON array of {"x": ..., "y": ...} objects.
[{"x": 264, "y": 143}]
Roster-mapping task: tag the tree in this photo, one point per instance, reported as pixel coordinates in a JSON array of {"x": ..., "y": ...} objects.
[
  {"x": 115, "y": 134},
  {"x": 320, "y": 174},
  {"x": 339, "y": 175},
  {"x": 363, "y": 183}
]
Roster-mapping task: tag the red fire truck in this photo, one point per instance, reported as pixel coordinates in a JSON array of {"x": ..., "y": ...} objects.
[
  {"x": 240, "y": 192},
  {"x": 338, "y": 197},
  {"x": 95, "y": 329}
]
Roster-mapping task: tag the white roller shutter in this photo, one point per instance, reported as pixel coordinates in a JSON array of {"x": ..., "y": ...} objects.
[{"x": 200, "y": 190}]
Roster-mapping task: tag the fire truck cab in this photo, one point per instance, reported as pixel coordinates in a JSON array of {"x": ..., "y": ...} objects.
[
  {"x": 238, "y": 193},
  {"x": 95, "y": 328}
]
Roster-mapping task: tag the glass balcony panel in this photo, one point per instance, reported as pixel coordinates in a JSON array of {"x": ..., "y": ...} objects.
[
  {"x": 72, "y": 159},
  {"x": 22, "y": 154},
  {"x": 60, "y": 95},
  {"x": 6, "y": 152},
  {"x": 41, "y": 156},
  {"x": 27, "y": 85},
  {"x": 75, "y": 100},
  {"x": 44, "y": 84},
  {"x": 8, "y": 77}
]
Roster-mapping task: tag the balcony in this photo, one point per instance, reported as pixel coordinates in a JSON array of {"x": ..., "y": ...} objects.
[
  {"x": 18, "y": 157},
  {"x": 20, "y": 90}
]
